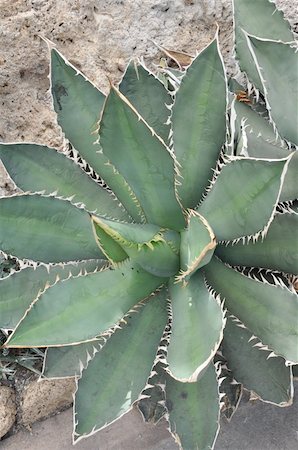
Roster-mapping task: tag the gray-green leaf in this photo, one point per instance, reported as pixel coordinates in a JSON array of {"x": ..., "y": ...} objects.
[
  {"x": 277, "y": 64},
  {"x": 78, "y": 104},
  {"x": 143, "y": 159},
  {"x": 267, "y": 376},
  {"x": 197, "y": 328},
  {"x": 269, "y": 312},
  {"x": 277, "y": 251},
  {"x": 194, "y": 410},
  {"x": 80, "y": 309},
  {"x": 199, "y": 123},
  {"x": 259, "y": 18},
  {"x": 242, "y": 200},
  {"x": 18, "y": 290},
  {"x": 46, "y": 229},
  {"x": 149, "y": 96},
  {"x": 39, "y": 168},
  {"x": 117, "y": 374}
]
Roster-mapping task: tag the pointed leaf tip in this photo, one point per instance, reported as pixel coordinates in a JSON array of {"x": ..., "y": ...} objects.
[{"x": 200, "y": 101}]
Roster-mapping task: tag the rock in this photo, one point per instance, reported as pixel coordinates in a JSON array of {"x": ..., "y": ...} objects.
[
  {"x": 41, "y": 399},
  {"x": 7, "y": 409},
  {"x": 93, "y": 35}
]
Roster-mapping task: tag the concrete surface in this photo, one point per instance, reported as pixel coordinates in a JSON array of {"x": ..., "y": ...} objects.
[
  {"x": 260, "y": 426},
  {"x": 255, "y": 426}
]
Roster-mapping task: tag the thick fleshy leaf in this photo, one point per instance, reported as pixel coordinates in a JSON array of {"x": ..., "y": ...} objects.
[
  {"x": 128, "y": 234},
  {"x": 145, "y": 244},
  {"x": 269, "y": 378},
  {"x": 46, "y": 229},
  {"x": 76, "y": 100},
  {"x": 197, "y": 328},
  {"x": 245, "y": 115},
  {"x": 79, "y": 309},
  {"x": 277, "y": 251},
  {"x": 18, "y": 290},
  {"x": 269, "y": 312},
  {"x": 199, "y": 123},
  {"x": 260, "y": 18},
  {"x": 149, "y": 96},
  {"x": 67, "y": 361},
  {"x": 173, "y": 239},
  {"x": 243, "y": 197},
  {"x": 117, "y": 374},
  {"x": 109, "y": 247},
  {"x": 259, "y": 148},
  {"x": 197, "y": 245},
  {"x": 78, "y": 104},
  {"x": 38, "y": 168},
  {"x": 277, "y": 66},
  {"x": 160, "y": 259},
  {"x": 194, "y": 410},
  {"x": 150, "y": 171}
]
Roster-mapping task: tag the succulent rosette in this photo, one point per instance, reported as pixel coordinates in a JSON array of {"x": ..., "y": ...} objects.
[{"x": 157, "y": 251}]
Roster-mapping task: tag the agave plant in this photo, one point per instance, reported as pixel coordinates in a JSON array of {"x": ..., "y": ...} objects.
[{"x": 155, "y": 262}]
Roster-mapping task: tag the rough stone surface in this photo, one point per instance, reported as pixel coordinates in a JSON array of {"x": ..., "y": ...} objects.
[
  {"x": 41, "y": 399},
  {"x": 98, "y": 36},
  {"x": 7, "y": 409}
]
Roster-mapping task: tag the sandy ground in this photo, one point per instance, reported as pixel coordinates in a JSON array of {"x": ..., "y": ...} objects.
[{"x": 255, "y": 426}]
